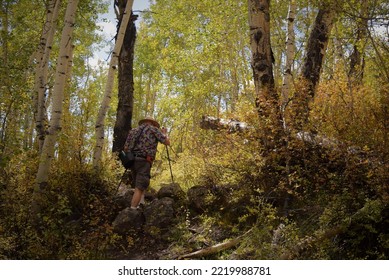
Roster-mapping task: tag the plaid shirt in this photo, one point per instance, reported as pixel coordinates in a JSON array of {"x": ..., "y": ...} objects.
[{"x": 147, "y": 142}]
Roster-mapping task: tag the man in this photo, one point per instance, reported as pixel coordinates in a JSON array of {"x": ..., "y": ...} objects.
[{"x": 145, "y": 137}]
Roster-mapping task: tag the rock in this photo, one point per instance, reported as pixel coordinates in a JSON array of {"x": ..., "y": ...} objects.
[
  {"x": 160, "y": 213},
  {"x": 128, "y": 220},
  {"x": 123, "y": 199},
  {"x": 199, "y": 198},
  {"x": 229, "y": 200},
  {"x": 150, "y": 194},
  {"x": 124, "y": 196},
  {"x": 173, "y": 191}
]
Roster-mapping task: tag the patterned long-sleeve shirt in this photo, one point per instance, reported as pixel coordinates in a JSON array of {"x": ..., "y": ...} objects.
[{"x": 147, "y": 143}]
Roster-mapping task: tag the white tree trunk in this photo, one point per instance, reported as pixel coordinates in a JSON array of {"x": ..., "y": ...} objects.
[
  {"x": 63, "y": 142},
  {"x": 99, "y": 128},
  {"x": 290, "y": 52},
  {"x": 58, "y": 95},
  {"x": 261, "y": 62},
  {"x": 42, "y": 59}
]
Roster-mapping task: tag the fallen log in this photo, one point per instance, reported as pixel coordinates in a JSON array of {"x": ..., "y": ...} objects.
[
  {"x": 232, "y": 125},
  {"x": 215, "y": 248}
]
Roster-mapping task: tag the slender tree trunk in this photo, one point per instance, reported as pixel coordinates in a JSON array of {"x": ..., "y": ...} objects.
[
  {"x": 64, "y": 147},
  {"x": 42, "y": 59},
  {"x": 4, "y": 60},
  {"x": 286, "y": 93},
  {"x": 126, "y": 83},
  {"x": 317, "y": 47},
  {"x": 262, "y": 58},
  {"x": 356, "y": 61},
  {"x": 290, "y": 52},
  {"x": 56, "y": 111},
  {"x": 99, "y": 134},
  {"x": 314, "y": 58},
  {"x": 153, "y": 95},
  {"x": 234, "y": 88},
  {"x": 259, "y": 21}
]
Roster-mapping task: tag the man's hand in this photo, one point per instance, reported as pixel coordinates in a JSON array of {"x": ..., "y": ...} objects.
[{"x": 164, "y": 131}]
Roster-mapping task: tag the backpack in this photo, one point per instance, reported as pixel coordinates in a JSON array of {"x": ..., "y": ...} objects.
[{"x": 128, "y": 158}]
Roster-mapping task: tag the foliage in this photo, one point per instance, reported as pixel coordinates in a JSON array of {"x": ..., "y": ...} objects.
[
  {"x": 75, "y": 220},
  {"x": 303, "y": 200}
]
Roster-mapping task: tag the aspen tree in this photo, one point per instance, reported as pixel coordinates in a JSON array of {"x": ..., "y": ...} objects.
[
  {"x": 63, "y": 143},
  {"x": 57, "y": 107},
  {"x": 267, "y": 100},
  {"x": 290, "y": 52},
  {"x": 312, "y": 65},
  {"x": 99, "y": 128},
  {"x": 42, "y": 60}
]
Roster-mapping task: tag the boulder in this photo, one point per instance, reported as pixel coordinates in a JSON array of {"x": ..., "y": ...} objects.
[
  {"x": 173, "y": 191},
  {"x": 124, "y": 196},
  {"x": 229, "y": 200},
  {"x": 200, "y": 198},
  {"x": 160, "y": 213},
  {"x": 128, "y": 220},
  {"x": 150, "y": 194}
]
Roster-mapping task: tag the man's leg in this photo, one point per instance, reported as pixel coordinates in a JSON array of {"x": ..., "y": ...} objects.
[
  {"x": 136, "y": 198},
  {"x": 142, "y": 200},
  {"x": 141, "y": 182}
]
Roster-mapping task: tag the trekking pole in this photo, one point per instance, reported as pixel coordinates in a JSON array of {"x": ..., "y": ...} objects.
[
  {"x": 121, "y": 180},
  {"x": 170, "y": 165}
]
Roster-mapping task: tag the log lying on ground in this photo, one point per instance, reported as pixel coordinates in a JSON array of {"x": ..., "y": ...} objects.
[
  {"x": 232, "y": 125},
  {"x": 215, "y": 248}
]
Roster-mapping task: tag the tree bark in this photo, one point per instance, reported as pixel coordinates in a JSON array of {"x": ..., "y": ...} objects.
[
  {"x": 126, "y": 83},
  {"x": 57, "y": 106},
  {"x": 317, "y": 47},
  {"x": 99, "y": 128},
  {"x": 42, "y": 60}
]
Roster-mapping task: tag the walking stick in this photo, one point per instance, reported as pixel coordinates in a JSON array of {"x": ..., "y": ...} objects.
[
  {"x": 170, "y": 165},
  {"x": 121, "y": 180}
]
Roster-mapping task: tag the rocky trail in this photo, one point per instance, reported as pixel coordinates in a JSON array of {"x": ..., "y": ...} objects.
[{"x": 154, "y": 228}]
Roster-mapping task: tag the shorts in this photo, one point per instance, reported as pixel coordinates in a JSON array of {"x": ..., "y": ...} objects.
[{"x": 141, "y": 174}]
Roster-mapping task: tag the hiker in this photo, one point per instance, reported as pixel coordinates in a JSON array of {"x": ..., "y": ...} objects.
[{"x": 148, "y": 135}]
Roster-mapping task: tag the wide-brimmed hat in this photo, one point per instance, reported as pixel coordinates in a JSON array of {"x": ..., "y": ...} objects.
[{"x": 149, "y": 119}]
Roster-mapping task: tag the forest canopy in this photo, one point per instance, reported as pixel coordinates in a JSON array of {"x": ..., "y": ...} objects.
[{"x": 308, "y": 79}]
